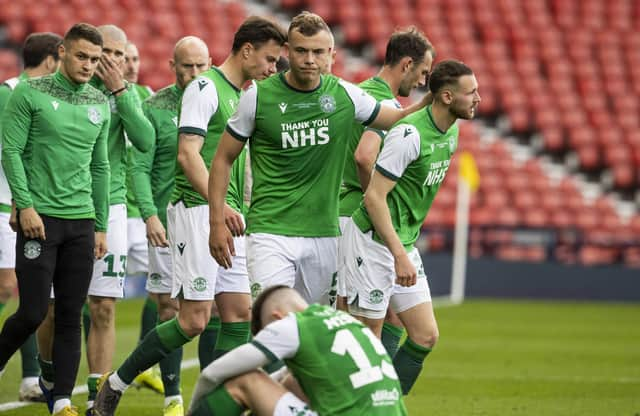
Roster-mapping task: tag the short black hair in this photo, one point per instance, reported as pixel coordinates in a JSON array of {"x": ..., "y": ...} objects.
[
  {"x": 308, "y": 24},
  {"x": 410, "y": 42},
  {"x": 83, "y": 31},
  {"x": 37, "y": 46},
  {"x": 257, "y": 31},
  {"x": 447, "y": 73},
  {"x": 282, "y": 64},
  {"x": 256, "y": 309}
]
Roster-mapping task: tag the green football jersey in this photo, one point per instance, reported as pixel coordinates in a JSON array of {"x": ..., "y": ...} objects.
[
  {"x": 126, "y": 116},
  {"x": 298, "y": 142},
  {"x": 153, "y": 172},
  {"x": 54, "y": 148},
  {"x": 133, "y": 211},
  {"x": 207, "y": 104},
  {"x": 351, "y": 190},
  {"x": 340, "y": 364},
  {"x": 416, "y": 154}
]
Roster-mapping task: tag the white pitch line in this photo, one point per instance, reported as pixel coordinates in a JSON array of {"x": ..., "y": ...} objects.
[{"x": 186, "y": 364}]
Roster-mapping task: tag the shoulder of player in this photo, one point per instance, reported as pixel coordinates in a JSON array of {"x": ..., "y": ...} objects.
[
  {"x": 162, "y": 97},
  {"x": 94, "y": 95}
]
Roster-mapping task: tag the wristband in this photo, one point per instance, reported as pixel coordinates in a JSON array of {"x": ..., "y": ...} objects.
[{"x": 118, "y": 91}]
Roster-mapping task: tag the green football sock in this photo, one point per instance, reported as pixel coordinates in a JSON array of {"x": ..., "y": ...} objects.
[
  {"x": 149, "y": 317},
  {"x": 218, "y": 403},
  {"x": 86, "y": 321},
  {"x": 29, "y": 353},
  {"x": 207, "y": 342},
  {"x": 408, "y": 363},
  {"x": 2, "y": 305},
  {"x": 156, "y": 345},
  {"x": 46, "y": 368},
  {"x": 391, "y": 335},
  {"x": 170, "y": 372},
  {"x": 232, "y": 334},
  {"x": 92, "y": 386}
]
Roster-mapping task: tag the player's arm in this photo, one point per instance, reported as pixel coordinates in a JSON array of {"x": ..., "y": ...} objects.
[
  {"x": 100, "y": 177},
  {"x": 16, "y": 123},
  {"x": 388, "y": 116},
  {"x": 141, "y": 166},
  {"x": 402, "y": 146},
  {"x": 5, "y": 93},
  {"x": 366, "y": 155},
  {"x": 139, "y": 129},
  {"x": 239, "y": 128}
]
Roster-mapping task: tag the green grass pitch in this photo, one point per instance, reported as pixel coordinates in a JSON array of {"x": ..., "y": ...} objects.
[{"x": 493, "y": 358}]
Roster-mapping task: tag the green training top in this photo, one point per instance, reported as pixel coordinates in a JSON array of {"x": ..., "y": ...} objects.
[
  {"x": 298, "y": 142},
  {"x": 416, "y": 154},
  {"x": 6, "y": 88},
  {"x": 207, "y": 104},
  {"x": 153, "y": 172},
  {"x": 351, "y": 190},
  {"x": 340, "y": 364},
  {"x": 144, "y": 92},
  {"x": 126, "y": 115},
  {"x": 54, "y": 148}
]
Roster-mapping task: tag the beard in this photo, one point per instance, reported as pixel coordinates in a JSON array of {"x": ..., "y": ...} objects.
[{"x": 459, "y": 111}]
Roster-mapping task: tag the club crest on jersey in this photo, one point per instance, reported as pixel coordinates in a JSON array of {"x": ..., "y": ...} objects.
[
  {"x": 327, "y": 103},
  {"x": 283, "y": 107},
  {"x": 32, "y": 249},
  {"x": 452, "y": 144},
  {"x": 94, "y": 115},
  {"x": 199, "y": 284},
  {"x": 376, "y": 296}
]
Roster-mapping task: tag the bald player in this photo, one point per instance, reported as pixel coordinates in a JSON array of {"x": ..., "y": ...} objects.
[{"x": 153, "y": 175}]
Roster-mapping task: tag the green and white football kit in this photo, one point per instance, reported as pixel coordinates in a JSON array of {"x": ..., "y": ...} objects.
[
  {"x": 126, "y": 115},
  {"x": 416, "y": 155},
  {"x": 137, "y": 250},
  {"x": 298, "y": 141},
  {"x": 339, "y": 363},
  {"x": 153, "y": 177},
  {"x": 351, "y": 190},
  {"x": 207, "y": 104},
  {"x": 7, "y": 235}
]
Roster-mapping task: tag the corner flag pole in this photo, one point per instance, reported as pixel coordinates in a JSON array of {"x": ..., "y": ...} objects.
[{"x": 468, "y": 181}]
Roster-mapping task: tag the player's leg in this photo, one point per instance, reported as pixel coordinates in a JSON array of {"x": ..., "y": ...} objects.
[
  {"x": 369, "y": 274},
  {"x": 415, "y": 310},
  {"x": 208, "y": 338},
  {"x": 233, "y": 298},
  {"x": 392, "y": 331},
  {"x": 29, "y": 389},
  {"x": 271, "y": 260},
  {"x": 317, "y": 269},
  {"x": 44, "y": 337},
  {"x": 70, "y": 283},
  {"x": 107, "y": 285},
  {"x": 341, "y": 289},
  {"x": 255, "y": 391}
]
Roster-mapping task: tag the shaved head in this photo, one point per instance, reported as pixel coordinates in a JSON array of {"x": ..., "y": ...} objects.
[
  {"x": 273, "y": 304},
  {"x": 189, "y": 43},
  {"x": 112, "y": 32}
]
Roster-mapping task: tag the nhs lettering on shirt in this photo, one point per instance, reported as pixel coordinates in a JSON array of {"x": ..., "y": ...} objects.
[
  {"x": 305, "y": 133},
  {"x": 437, "y": 172}
]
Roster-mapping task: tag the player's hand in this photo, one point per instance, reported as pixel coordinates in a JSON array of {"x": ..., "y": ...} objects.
[
  {"x": 233, "y": 220},
  {"x": 406, "y": 273},
  {"x": 427, "y": 99},
  {"x": 156, "y": 234},
  {"x": 13, "y": 218},
  {"x": 31, "y": 224},
  {"x": 101, "y": 245},
  {"x": 221, "y": 245},
  {"x": 110, "y": 73}
]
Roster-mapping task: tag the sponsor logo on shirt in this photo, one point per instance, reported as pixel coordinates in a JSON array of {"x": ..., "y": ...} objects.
[
  {"x": 385, "y": 397},
  {"x": 359, "y": 261},
  {"x": 94, "y": 115},
  {"x": 305, "y": 133},
  {"x": 181, "y": 247},
  {"x": 437, "y": 172},
  {"x": 283, "y": 107},
  {"x": 327, "y": 103},
  {"x": 55, "y": 104},
  {"x": 407, "y": 131},
  {"x": 202, "y": 83},
  {"x": 175, "y": 120}
]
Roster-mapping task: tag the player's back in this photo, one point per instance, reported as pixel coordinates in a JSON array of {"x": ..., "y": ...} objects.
[{"x": 342, "y": 367}]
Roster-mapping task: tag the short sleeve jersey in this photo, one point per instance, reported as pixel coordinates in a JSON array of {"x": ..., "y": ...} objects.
[
  {"x": 298, "y": 142},
  {"x": 207, "y": 104},
  {"x": 415, "y": 154},
  {"x": 154, "y": 186},
  {"x": 340, "y": 364},
  {"x": 351, "y": 190}
]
